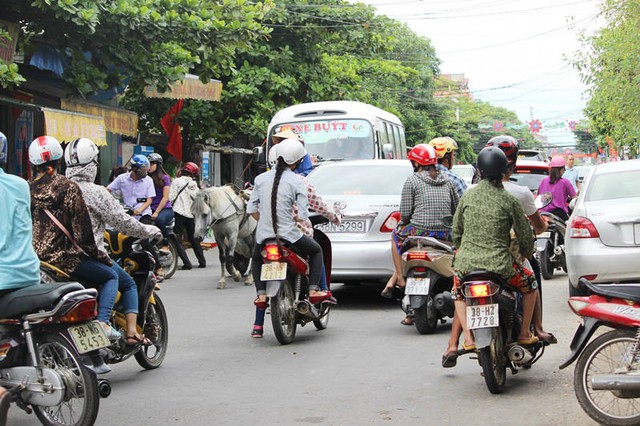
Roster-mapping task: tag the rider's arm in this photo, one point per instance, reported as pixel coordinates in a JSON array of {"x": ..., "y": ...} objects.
[
  {"x": 538, "y": 223},
  {"x": 458, "y": 226},
  {"x": 317, "y": 204},
  {"x": 142, "y": 207},
  {"x": 163, "y": 201},
  {"x": 522, "y": 229},
  {"x": 112, "y": 213},
  {"x": 406, "y": 202}
]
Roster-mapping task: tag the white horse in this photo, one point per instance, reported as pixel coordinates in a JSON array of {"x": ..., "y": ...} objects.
[{"x": 223, "y": 210}]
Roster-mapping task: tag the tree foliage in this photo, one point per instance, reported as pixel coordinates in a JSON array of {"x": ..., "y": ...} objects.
[{"x": 609, "y": 66}]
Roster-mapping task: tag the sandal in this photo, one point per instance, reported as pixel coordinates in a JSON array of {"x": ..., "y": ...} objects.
[
  {"x": 319, "y": 296},
  {"x": 468, "y": 348},
  {"x": 408, "y": 320},
  {"x": 257, "y": 331},
  {"x": 450, "y": 359},
  {"x": 530, "y": 341},
  {"x": 137, "y": 340}
]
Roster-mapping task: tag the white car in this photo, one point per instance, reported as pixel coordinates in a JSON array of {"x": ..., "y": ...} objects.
[
  {"x": 603, "y": 234},
  {"x": 465, "y": 171},
  {"x": 369, "y": 193}
]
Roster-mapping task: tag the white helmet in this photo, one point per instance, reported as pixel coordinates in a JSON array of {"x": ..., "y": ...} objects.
[
  {"x": 80, "y": 151},
  {"x": 3, "y": 148},
  {"x": 44, "y": 149},
  {"x": 273, "y": 156},
  {"x": 291, "y": 151}
]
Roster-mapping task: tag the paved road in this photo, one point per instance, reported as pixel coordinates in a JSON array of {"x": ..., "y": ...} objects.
[{"x": 365, "y": 368}]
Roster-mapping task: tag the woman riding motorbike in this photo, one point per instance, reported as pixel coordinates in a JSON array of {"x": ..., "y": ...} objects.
[
  {"x": 161, "y": 206},
  {"x": 271, "y": 203},
  {"x": 427, "y": 197},
  {"x": 81, "y": 157},
  {"x": 481, "y": 231},
  {"x": 62, "y": 227},
  {"x": 560, "y": 188}
]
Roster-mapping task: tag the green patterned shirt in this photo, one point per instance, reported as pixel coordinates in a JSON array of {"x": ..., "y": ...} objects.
[{"x": 481, "y": 228}]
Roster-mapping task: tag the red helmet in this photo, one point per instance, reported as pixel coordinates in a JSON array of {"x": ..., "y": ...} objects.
[
  {"x": 191, "y": 168},
  {"x": 508, "y": 145},
  {"x": 423, "y": 154}
]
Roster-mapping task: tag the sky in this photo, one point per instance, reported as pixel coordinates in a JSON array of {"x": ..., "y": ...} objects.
[{"x": 516, "y": 53}]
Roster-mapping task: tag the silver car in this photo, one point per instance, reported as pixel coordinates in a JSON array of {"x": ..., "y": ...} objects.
[
  {"x": 369, "y": 194},
  {"x": 603, "y": 234}
]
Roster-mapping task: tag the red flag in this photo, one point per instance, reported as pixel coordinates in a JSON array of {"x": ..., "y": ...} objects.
[{"x": 172, "y": 128}]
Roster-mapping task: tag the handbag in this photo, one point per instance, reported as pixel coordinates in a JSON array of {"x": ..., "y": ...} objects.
[{"x": 65, "y": 231}]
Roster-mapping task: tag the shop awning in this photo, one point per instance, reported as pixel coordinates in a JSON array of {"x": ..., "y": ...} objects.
[
  {"x": 190, "y": 88},
  {"x": 116, "y": 120},
  {"x": 67, "y": 126}
]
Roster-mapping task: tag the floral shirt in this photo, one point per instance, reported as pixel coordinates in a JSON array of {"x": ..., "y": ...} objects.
[{"x": 317, "y": 204}]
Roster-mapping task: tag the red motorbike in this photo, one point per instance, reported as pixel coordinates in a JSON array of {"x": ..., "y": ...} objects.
[{"x": 607, "y": 376}]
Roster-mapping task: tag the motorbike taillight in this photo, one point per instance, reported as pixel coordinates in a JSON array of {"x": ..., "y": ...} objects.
[
  {"x": 418, "y": 255},
  {"x": 81, "y": 311},
  {"x": 479, "y": 290},
  {"x": 271, "y": 252}
]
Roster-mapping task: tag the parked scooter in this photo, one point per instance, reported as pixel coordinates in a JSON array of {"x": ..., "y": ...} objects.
[
  {"x": 494, "y": 319},
  {"x": 428, "y": 271},
  {"x": 286, "y": 275},
  {"x": 606, "y": 379},
  {"x": 49, "y": 343},
  {"x": 550, "y": 244}
]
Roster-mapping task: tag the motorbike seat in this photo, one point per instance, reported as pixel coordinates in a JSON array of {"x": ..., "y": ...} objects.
[
  {"x": 30, "y": 299},
  {"x": 485, "y": 275},
  {"x": 620, "y": 291},
  {"x": 412, "y": 242}
]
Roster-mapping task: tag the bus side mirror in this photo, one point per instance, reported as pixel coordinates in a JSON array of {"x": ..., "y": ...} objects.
[
  {"x": 259, "y": 156},
  {"x": 387, "y": 151}
]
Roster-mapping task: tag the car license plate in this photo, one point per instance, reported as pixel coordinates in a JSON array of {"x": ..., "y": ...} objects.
[
  {"x": 347, "y": 226},
  {"x": 482, "y": 316},
  {"x": 273, "y": 271},
  {"x": 89, "y": 337},
  {"x": 417, "y": 286}
]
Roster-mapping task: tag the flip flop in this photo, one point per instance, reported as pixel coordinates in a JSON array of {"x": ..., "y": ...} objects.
[
  {"x": 407, "y": 321},
  {"x": 532, "y": 340},
  {"x": 549, "y": 340},
  {"x": 450, "y": 359},
  {"x": 469, "y": 348},
  {"x": 135, "y": 340}
]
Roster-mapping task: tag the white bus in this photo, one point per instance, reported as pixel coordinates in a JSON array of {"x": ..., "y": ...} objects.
[{"x": 342, "y": 130}]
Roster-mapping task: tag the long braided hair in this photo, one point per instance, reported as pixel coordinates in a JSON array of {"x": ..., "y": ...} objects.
[{"x": 280, "y": 168}]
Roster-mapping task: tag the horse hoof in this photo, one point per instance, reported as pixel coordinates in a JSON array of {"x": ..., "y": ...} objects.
[
  {"x": 248, "y": 283},
  {"x": 237, "y": 276},
  {"x": 222, "y": 286}
]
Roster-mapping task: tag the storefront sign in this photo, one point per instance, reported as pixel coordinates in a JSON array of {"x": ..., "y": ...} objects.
[
  {"x": 116, "y": 120},
  {"x": 190, "y": 88},
  {"x": 67, "y": 126}
]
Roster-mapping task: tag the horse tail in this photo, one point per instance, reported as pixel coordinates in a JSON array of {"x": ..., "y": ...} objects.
[{"x": 280, "y": 167}]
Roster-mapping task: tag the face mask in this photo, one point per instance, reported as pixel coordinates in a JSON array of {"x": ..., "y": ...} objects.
[{"x": 141, "y": 174}]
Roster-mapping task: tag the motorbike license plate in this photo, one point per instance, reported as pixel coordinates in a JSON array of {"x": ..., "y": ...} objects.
[
  {"x": 273, "y": 271},
  {"x": 89, "y": 337},
  {"x": 482, "y": 316},
  {"x": 417, "y": 286},
  {"x": 545, "y": 234}
]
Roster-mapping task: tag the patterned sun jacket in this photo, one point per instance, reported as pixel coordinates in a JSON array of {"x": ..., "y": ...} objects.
[
  {"x": 425, "y": 201},
  {"x": 481, "y": 230},
  {"x": 458, "y": 183},
  {"x": 317, "y": 204},
  {"x": 63, "y": 199}
]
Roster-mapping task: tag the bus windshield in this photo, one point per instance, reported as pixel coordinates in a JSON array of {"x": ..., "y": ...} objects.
[{"x": 337, "y": 139}]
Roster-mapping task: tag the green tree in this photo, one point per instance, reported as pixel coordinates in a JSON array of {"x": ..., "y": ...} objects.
[{"x": 609, "y": 66}]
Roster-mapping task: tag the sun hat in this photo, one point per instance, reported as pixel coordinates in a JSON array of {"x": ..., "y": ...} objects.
[{"x": 286, "y": 134}]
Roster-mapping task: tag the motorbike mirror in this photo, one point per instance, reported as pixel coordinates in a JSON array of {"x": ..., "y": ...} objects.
[
  {"x": 572, "y": 203},
  {"x": 543, "y": 200},
  {"x": 448, "y": 221}
]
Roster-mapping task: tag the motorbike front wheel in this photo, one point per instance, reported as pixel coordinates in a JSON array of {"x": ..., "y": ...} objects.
[
  {"x": 607, "y": 354},
  {"x": 283, "y": 314},
  {"x": 546, "y": 265},
  {"x": 156, "y": 329},
  {"x": 81, "y": 402},
  {"x": 494, "y": 368}
]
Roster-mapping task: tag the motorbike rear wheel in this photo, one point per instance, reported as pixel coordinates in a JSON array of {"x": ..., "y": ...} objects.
[
  {"x": 494, "y": 367},
  {"x": 323, "y": 322},
  {"x": 170, "y": 260},
  {"x": 546, "y": 265},
  {"x": 283, "y": 314},
  {"x": 81, "y": 401},
  {"x": 156, "y": 329},
  {"x": 606, "y": 354},
  {"x": 425, "y": 318}
]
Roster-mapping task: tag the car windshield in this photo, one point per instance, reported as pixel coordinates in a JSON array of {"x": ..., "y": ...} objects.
[
  {"x": 611, "y": 186},
  {"x": 353, "y": 179},
  {"x": 530, "y": 180}
]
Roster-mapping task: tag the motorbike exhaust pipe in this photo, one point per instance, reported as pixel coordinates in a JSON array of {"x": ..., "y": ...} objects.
[
  {"x": 104, "y": 388},
  {"x": 616, "y": 382},
  {"x": 306, "y": 309},
  {"x": 519, "y": 355}
]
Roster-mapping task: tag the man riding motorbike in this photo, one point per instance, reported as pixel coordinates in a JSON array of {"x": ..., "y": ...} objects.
[
  {"x": 427, "y": 197},
  {"x": 81, "y": 157},
  {"x": 446, "y": 148}
]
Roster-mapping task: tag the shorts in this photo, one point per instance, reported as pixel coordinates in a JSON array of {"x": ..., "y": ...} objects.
[
  {"x": 523, "y": 280},
  {"x": 400, "y": 234}
]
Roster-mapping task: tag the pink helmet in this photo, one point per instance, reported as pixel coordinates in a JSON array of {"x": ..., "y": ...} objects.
[{"x": 557, "y": 161}]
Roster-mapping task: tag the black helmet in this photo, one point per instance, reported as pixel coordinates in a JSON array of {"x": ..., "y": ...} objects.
[{"x": 492, "y": 162}]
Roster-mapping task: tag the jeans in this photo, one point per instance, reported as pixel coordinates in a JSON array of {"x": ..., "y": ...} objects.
[
  {"x": 305, "y": 246},
  {"x": 163, "y": 219},
  {"x": 106, "y": 279},
  {"x": 128, "y": 290}
]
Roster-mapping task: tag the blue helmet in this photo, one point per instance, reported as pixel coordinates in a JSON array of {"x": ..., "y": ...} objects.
[
  {"x": 3, "y": 148},
  {"x": 139, "y": 161}
]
